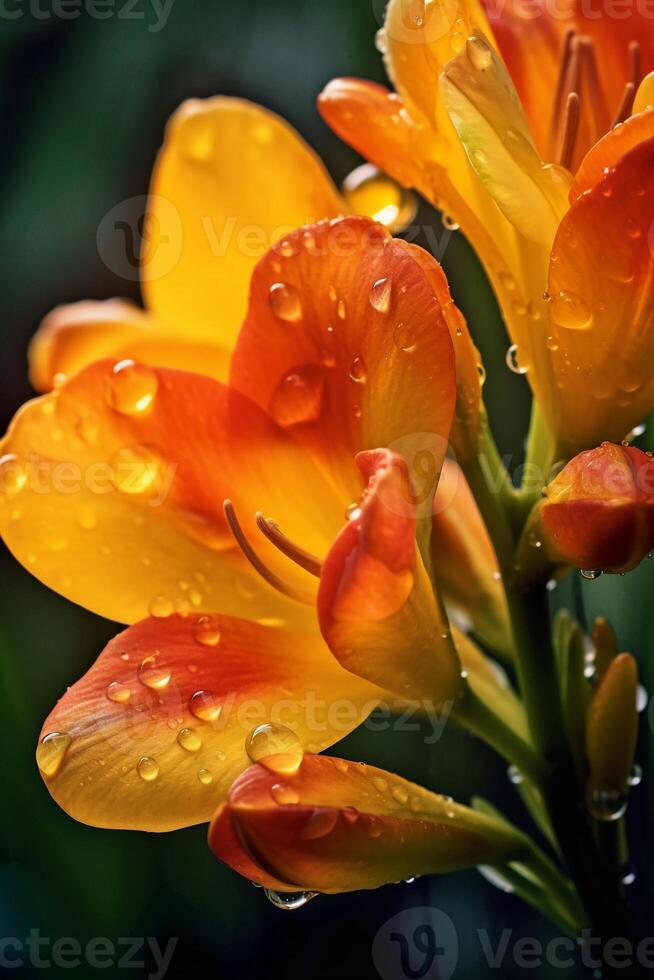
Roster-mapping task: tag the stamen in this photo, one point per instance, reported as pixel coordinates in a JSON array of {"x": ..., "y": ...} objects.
[
  {"x": 570, "y": 127},
  {"x": 258, "y": 564},
  {"x": 591, "y": 75},
  {"x": 635, "y": 63},
  {"x": 626, "y": 103},
  {"x": 293, "y": 551},
  {"x": 568, "y": 56}
]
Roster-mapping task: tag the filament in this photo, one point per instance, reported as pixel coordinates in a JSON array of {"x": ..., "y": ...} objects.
[{"x": 293, "y": 551}]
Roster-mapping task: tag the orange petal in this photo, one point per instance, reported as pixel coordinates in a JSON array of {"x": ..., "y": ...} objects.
[
  {"x": 594, "y": 381},
  {"x": 72, "y": 336},
  {"x": 231, "y": 851},
  {"x": 238, "y": 179},
  {"x": 376, "y": 605},
  {"x": 464, "y": 561},
  {"x": 338, "y": 826},
  {"x": 599, "y": 510},
  {"x": 345, "y": 345},
  {"x": 607, "y": 152},
  {"x": 113, "y": 488},
  {"x": 155, "y": 732}
]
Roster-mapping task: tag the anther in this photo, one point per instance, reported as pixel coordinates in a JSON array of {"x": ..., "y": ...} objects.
[
  {"x": 287, "y": 547},
  {"x": 570, "y": 128},
  {"x": 635, "y": 63},
  {"x": 269, "y": 576},
  {"x": 591, "y": 76}
]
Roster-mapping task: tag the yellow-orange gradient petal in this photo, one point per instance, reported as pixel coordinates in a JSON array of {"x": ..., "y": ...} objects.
[
  {"x": 231, "y": 179},
  {"x": 155, "y": 732},
  {"x": 593, "y": 377},
  {"x": 73, "y": 336},
  {"x": 337, "y": 826},
  {"x": 112, "y": 490},
  {"x": 345, "y": 344},
  {"x": 376, "y": 604},
  {"x": 464, "y": 562},
  {"x": 607, "y": 151}
]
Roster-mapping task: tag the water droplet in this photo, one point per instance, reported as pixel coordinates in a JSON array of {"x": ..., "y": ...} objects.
[
  {"x": 380, "y": 784},
  {"x": 369, "y": 191},
  {"x": 161, "y": 607},
  {"x": 276, "y": 747},
  {"x": 495, "y": 878},
  {"x": 132, "y": 387},
  {"x": 299, "y": 396},
  {"x": 320, "y": 824},
  {"x": 380, "y": 295},
  {"x": 206, "y": 631},
  {"x": 479, "y": 53},
  {"x": 507, "y": 281},
  {"x": 403, "y": 338},
  {"x": 570, "y": 311},
  {"x": 635, "y": 776},
  {"x": 285, "y": 302},
  {"x": 380, "y": 40},
  {"x": 608, "y": 806},
  {"x": 552, "y": 343},
  {"x": 13, "y": 474},
  {"x": 358, "y": 370},
  {"x": 205, "y": 777},
  {"x": 512, "y": 360},
  {"x": 147, "y": 768},
  {"x": 399, "y": 794},
  {"x": 51, "y": 752},
  {"x": 457, "y": 41},
  {"x": 642, "y": 699},
  {"x": 341, "y": 310},
  {"x": 153, "y": 673},
  {"x": 449, "y": 223},
  {"x": 514, "y": 775},
  {"x": 133, "y": 470},
  {"x": 353, "y": 512},
  {"x": 118, "y": 692},
  {"x": 189, "y": 739},
  {"x": 204, "y": 706},
  {"x": 375, "y": 827},
  {"x": 284, "y": 795},
  {"x": 590, "y": 573},
  {"x": 288, "y": 901}
]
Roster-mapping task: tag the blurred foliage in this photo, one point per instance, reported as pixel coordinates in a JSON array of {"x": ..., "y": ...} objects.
[{"x": 83, "y": 104}]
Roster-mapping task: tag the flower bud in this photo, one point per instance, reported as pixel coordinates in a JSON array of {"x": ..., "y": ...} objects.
[
  {"x": 611, "y": 732},
  {"x": 599, "y": 511}
]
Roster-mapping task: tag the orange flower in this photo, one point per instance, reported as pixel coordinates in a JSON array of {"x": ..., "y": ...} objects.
[
  {"x": 570, "y": 261},
  {"x": 599, "y": 511},
  {"x": 113, "y": 489}
]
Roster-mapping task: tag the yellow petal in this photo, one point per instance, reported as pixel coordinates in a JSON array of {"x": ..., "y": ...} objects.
[{"x": 239, "y": 179}]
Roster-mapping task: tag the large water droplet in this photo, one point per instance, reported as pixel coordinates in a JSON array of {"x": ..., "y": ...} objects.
[
  {"x": 13, "y": 474},
  {"x": 154, "y": 673},
  {"x": 570, "y": 311},
  {"x": 403, "y": 338},
  {"x": 276, "y": 747},
  {"x": 205, "y": 777},
  {"x": 320, "y": 824},
  {"x": 288, "y": 901},
  {"x": 608, "y": 806},
  {"x": 51, "y": 752},
  {"x": 206, "y": 631},
  {"x": 147, "y": 768},
  {"x": 591, "y": 574},
  {"x": 161, "y": 607},
  {"x": 299, "y": 396},
  {"x": 189, "y": 739},
  {"x": 512, "y": 360},
  {"x": 380, "y": 295},
  {"x": 132, "y": 387},
  {"x": 285, "y": 302},
  {"x": 369, "y": 191},
  {"x": 204, "y": 706}
]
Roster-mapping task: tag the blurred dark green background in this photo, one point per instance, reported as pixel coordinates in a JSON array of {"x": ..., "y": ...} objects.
[{"x": 83, "y": 104}]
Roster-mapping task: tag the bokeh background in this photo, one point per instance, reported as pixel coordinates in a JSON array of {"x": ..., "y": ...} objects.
[{"x": 83, "y": 104}]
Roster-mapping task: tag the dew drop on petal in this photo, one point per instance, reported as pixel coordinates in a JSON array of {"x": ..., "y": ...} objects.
[
  {"x": 205, "y": 777},
  {"x": 299, "y": 396},
  {"x": 276, "y": 747},
  {"x": 153, "y": 673},
  {"x": 147, "y": 768},
  {"x": 399, "y": 794},
  {"x": 206, "y": 631},
  {"x": 479, "y": 53},
  {"x": 512, "y": 360},
  {"x": 132, "y": 387},
  {"x": 161, "y": 607},
  {"x": 189, "y": 739},
  {"x": 204, "y": 706},
  {"x": 320, "y": 824},
  {"x": 134, "y": 470},
  {"x": 118, "y": 692},
  {"x": 13, "y": 474},
  {"x": 358, "y": 371},
  {"x": 285, "y": 302},
  {"x": 288, "y": 901},
  {"x": 51, "y": 752},
  {"x": 285, "y": 795},
  {"x": 591, "y": 574},
  {"x": 380, "y": 295},
  {"x": 570, "y": 311},
  {"x": 607, "y": 806}
]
